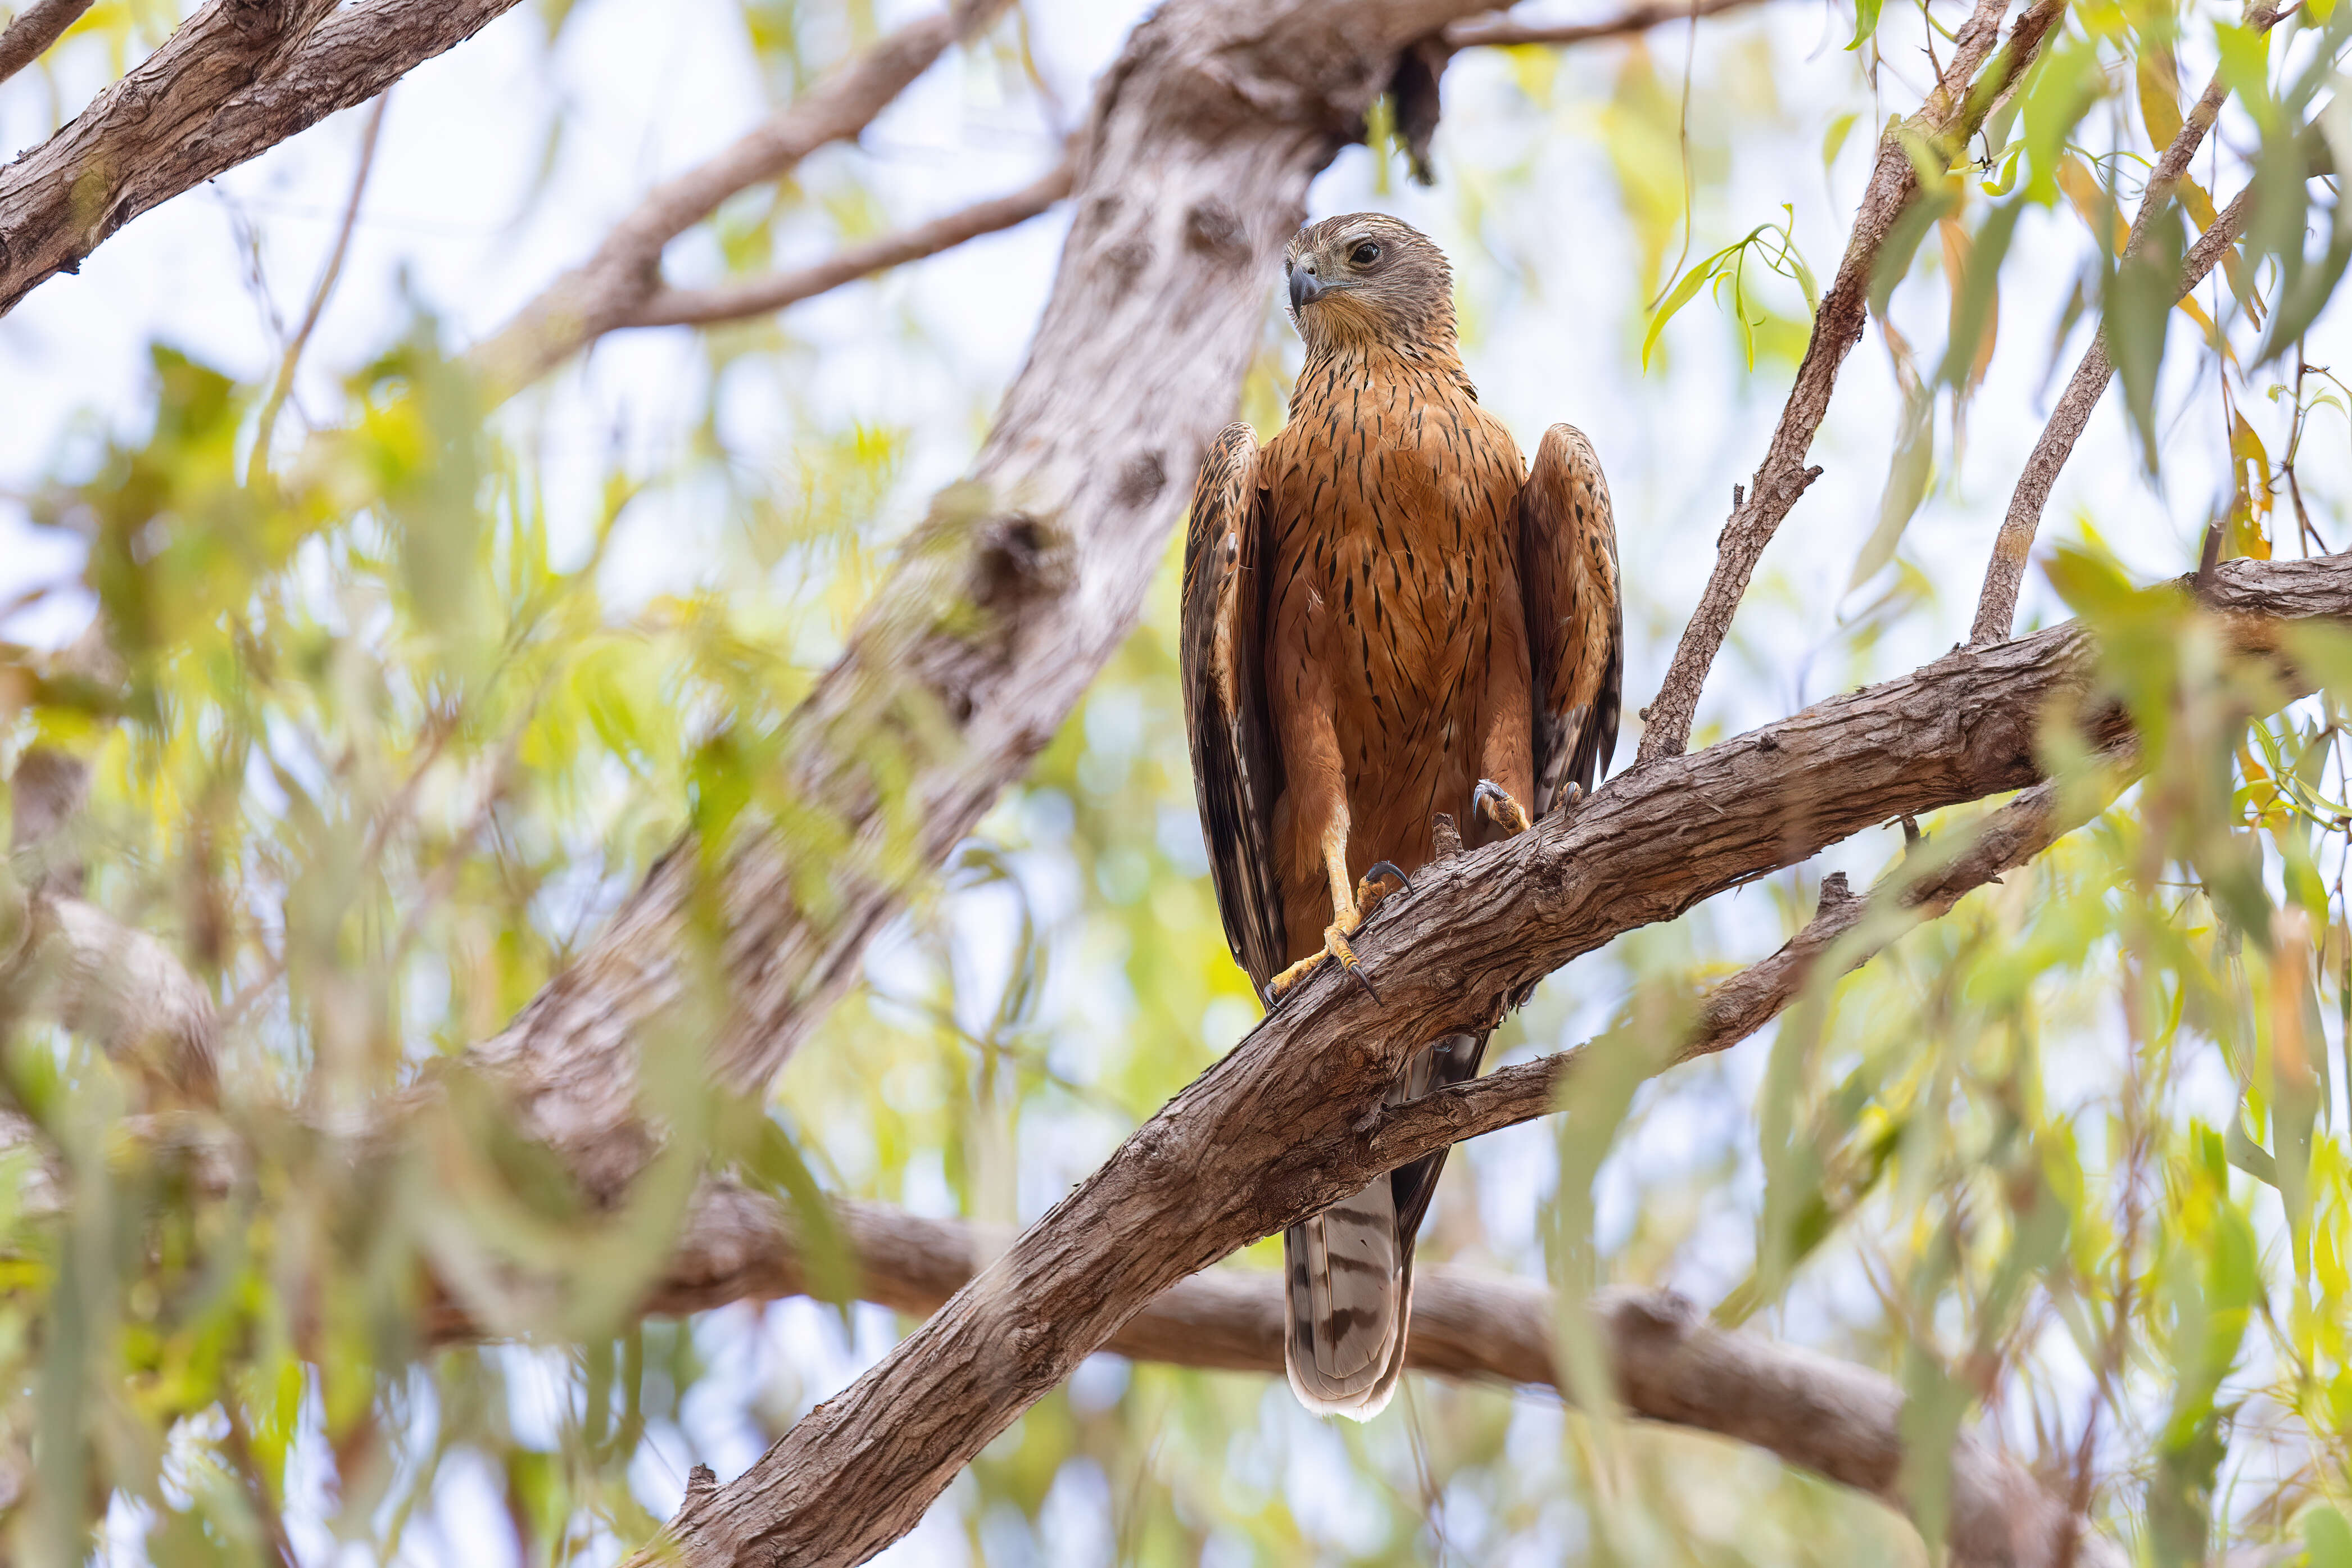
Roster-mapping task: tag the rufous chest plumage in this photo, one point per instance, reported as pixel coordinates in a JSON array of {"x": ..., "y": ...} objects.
[{"x": 1393, "y": 531}]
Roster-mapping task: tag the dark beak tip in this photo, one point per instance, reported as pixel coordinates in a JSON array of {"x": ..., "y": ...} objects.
[{"x": 1304, "y": 288}]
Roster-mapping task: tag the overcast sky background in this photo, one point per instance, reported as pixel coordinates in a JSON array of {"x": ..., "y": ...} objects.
[{"x": 1542, "y": 254}]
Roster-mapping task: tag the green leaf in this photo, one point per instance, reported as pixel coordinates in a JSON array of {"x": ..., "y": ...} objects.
[
  {"x": 1833, "y": 139},
  {"x": 1865, "y": 21},
  {"x": 1684, "y": 291},
  {"x": 2327, "y": 1538}
]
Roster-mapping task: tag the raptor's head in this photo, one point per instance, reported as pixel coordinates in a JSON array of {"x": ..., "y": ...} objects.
[{"x": 1367, "y": 276}]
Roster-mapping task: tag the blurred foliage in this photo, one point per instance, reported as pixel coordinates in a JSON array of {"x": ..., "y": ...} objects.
[{"x": 383, "y": 725}]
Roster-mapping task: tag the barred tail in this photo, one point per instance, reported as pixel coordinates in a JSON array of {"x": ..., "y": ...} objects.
[{"x": 1348, "y": 1271}]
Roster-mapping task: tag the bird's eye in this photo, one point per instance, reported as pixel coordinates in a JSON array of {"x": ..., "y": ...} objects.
[{"x": 1364, "y": 255}]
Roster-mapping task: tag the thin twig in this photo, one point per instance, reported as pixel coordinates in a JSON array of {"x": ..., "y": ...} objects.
[
  {"x": 1941, "y": 128},
  {"x": 33, "y": 29},
  {"x": 608, "y": 290},
  {"x": 759, "y": 296},
  {"x": 258, "y": 464},
  {"x": 2005, "y": 573}
]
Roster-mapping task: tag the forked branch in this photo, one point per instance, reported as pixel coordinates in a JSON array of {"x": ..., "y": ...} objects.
[
  {"x": 1293, "y": 1113},
  {"x": 2005, "y": 573},
  {"x": 1938, "y": 131}
]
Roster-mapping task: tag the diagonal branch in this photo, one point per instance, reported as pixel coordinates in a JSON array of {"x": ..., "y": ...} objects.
[
  {"x": 668, "y": 307},
  {"x": 1849, "y": 931},
  {"x": 1293, "y": 1113},
  {"x": 1938, "y": 131},
  {"x": 1667, "y": 1361},
  {"x": 237, "y": 77},
  {"x": 606, "y": 291},
  {"x": 33, "y": 29},
  {"x": 2005, "y": 573}
]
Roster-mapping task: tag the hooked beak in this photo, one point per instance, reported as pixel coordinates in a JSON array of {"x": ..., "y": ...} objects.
[{"x": 1305, "y": 288}]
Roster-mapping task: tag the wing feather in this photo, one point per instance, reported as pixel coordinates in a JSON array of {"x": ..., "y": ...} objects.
[
  {"x": 1237, "y": 767},
  {"x": 1576, "y": 625}
]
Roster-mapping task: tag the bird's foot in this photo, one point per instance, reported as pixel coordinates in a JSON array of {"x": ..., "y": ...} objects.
[
  {"x": 1494, "y": 804},
  {"x": 1375, "y": 886},
  {"x": 1334, "y": 946}
]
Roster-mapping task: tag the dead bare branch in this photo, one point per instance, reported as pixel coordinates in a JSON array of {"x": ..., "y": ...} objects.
[{"x": 1940, "y": 131}]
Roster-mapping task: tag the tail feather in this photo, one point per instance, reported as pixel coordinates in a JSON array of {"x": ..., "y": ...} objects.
[{"x": 1348, "y": 1271}]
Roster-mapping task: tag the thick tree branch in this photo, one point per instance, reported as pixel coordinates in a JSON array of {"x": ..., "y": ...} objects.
[
  {"x": 1501, "y": 32},
  {"x": 1939, "y": 130},
  {"x": 2005, "y": 573},
  {"x": 609, "y": 289},
  {"x": 1853, "y": 929},
  {"x": 238, "y": 78},
  {"x": 33, "y": 29},
  {"x": 1296, "y": 1105},
  {"x": 733, "y": 300},
  {"x": 1667, "y": 1361}
]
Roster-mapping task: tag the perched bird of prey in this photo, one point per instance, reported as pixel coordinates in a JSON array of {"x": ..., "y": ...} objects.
[{"x": 1386, "y": 617}]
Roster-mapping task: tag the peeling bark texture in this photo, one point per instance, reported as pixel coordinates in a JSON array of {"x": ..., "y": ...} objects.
[
  {"x": 1941, "y": 130},
  {"x": 238, "y": 78},
  {"x": 1193, "y": 175},
  {"x": 1297, "y": 1102},
  {"x": 2005, "y": 573},
  {"x": 606, "y": 291},
  {"x": 33, "y": 29},
  {"x": 757, "y": 296},
  {"x": 1668, "y": 1363}
]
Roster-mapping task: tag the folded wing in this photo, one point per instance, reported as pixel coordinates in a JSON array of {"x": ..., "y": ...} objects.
[
  {"x": 1576, "y": 626},
  {"x": 1236, "y": 768}
]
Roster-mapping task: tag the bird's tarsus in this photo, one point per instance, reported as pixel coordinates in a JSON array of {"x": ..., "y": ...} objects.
[{"x": 1494, "y": 804}]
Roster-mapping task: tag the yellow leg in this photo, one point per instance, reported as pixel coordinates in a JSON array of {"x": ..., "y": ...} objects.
[
  {"x": 1496, "y": 804},
  {"x": 1349, "y": 908}
]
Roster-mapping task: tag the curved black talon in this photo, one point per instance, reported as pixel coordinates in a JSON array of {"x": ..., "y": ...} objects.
[
  {"x": 1388, "y": 869},
  {"x": 1489, "y": 794},
  {"x": 1355, "y": 972}
]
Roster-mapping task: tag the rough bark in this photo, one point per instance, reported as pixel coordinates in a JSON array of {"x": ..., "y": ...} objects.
[
  {"x": 1297, "y": 1104},
  {"x": 1940, "y": 130},
  {"x": 2005, "y": 573},
  {"x": 1294, "y": 1116},
  {"x": 33, "y": 29},
  {"x": 1667, "y": 1362},
  {"x": 1847, "y": 932},
  {"x": 238, "y": 78}
]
